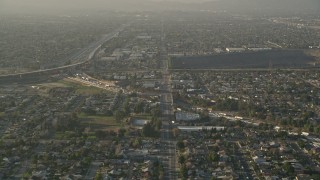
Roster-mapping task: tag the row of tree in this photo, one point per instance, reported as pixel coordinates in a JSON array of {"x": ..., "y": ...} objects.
[{"x": 152, "y": 129}]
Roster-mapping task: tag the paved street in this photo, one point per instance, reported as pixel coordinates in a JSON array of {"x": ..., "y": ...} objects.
[{"x": 166, "y": 101}]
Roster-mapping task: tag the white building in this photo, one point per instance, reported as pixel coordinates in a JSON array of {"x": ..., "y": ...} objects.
[
  {"x": 232, "y": 50},
  {"x": 186, "y": 116},
  {"x": 149, "y": 84},
  {"x": 200, "y": 128}
]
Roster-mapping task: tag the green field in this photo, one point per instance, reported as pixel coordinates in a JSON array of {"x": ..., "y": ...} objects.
[
  {"x": 99, "y": 122},
  {"x": 54, "y": 85},
  {"x": 142, "y": 116},
  {"x": 79, "y": 88}
]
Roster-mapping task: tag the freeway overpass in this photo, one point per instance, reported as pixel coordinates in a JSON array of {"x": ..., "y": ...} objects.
[
  {"x": 40, "y": 75},
  {"x": 81, "y": 60}
]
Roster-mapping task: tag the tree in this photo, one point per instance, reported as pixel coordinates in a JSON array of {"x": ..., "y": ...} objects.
[
  {"x": 315, "y": 176},
  {"x": 119, "y": 115},
  {"x": 214, "y": 157},
  {"x": 86, "y": 161},
  {"x": 317, "y": 130},
  {"x": 183, "y": 171},
  {"x": 158, "y": 124},
  {"x": 26, "y": 175},
  {"x": 156, "y": 112},
  {"x": 302, "y": 144},
  {"x": 89, "y": 111},
  {"x": 139, "y": 107},
  {"x": 175, "y": 132},
  {"x": 68, "y": 122},
  {"x": 228, "y": 105},
  {"x": 136, "y": 143},
  {"x": 182, "y": 159},
  {"x": 108, "y": 113},
  {"x": 180, "y": 145},
  {"x": 311, "y": 128},
  {"x": 121, "y": 132},
  {"x": 288, "y": 168},
  {"x": 126, "y": 106},
  {"x": 98, "y": 176},
  {"x": 149, "y": 131}
]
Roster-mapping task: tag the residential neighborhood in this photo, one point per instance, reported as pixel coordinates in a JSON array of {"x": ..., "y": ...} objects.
[{"x": 174, "y": 94}]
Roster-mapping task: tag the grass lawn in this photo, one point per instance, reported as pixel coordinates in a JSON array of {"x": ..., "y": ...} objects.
[
  {"x": 82, "y": 88},
  {"x": 78, "y": 87},
  {"x": 65, "y": 135},
  {"x": 99, "y": 122},
  {"x": 89, "y": 90},
  {"x": 54, "y": 85},
  {"x": 142, "y": 116}
]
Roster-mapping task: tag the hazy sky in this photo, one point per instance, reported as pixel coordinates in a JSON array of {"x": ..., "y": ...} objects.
[
  {"x": 65, "y": 5},
  {"x": 57, "y": 6}
]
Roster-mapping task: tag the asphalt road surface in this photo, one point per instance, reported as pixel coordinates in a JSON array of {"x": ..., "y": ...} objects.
[{"x": 168, "y": 154}]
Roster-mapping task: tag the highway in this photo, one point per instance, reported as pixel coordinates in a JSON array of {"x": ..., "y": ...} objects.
[
  {"x": 88, "y": 52},
  {"x": 81, "y": 57}
]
